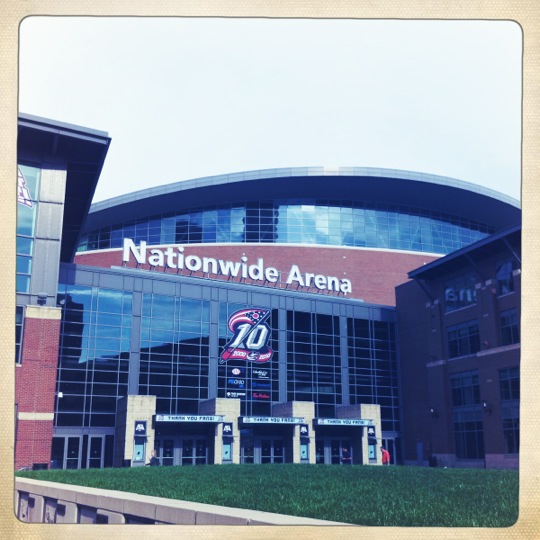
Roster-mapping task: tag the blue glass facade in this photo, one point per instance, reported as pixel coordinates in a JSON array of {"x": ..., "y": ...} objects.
[
  {"x": 157, "y": 336},
  {"x": 27, "y": 208},
  {"x": 116, "y": 342},
  {"x": 94, "y": 360},
  {"x": 373, "y": 367},
  {"x": 174, "y": 346},
  {"x": 338, "y": 223}
]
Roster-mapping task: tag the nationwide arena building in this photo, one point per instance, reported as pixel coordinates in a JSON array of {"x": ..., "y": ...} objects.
[{"x": 252, "y": 317}]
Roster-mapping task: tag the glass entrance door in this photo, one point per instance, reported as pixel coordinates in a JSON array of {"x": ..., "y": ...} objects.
[
  {"x": 319, "y": 451},
  {"x": 86, "y": 452},
  {"x": 167, "y": 457},
  {"x": 73, "y": 452},
  {"x": 194, "y": 452},
  {"x": 95, "y": 456},
  {"x": 272, "y": 451},
  {"x": 330, "y": 451},
  {"x": 247, "y": 451},
  {"x": 182, "y": 451}
]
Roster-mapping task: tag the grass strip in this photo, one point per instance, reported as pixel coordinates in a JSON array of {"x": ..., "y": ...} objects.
[{"x": 361, "y": 495}]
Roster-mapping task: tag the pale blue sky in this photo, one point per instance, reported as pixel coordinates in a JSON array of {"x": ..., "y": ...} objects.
[{"x": 187, "y": 98}]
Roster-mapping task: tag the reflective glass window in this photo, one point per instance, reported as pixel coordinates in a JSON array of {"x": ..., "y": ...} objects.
[
  {"x": 174, "y": 352},
  {"x": 468, "y": 433},
  {"x": 468, "y": 415},
  {"x": 373, "y": 367},
  {"x": 509, "y": 326},
  {"x": 509, "y": 383},
  {"x": 465, "y": 389},
  {"x": 19, "y": 319},
  {"x": 504, "y": 275},
  {"x": 27, "y": 208},
  {"x": 348, "y": 223},
  {"x": 94, "y": 354},
  {"x": 463, "y": 339}
]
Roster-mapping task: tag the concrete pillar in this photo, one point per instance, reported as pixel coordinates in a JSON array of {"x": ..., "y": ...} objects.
[
  {"x": 230, "y": 410},
  {"x": 303, "y": 409},
  {"x": 373, "y": 412},
  {"x": 359, "y": 438},
  {"x": 132, "y": 409}
]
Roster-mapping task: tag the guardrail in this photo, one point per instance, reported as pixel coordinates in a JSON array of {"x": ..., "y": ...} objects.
[{"x": 37, "y": 501}]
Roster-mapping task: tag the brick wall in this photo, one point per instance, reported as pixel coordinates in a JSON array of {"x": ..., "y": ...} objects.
[
  {"x": 373, "y": 274},
  {"x": 35, "y": 385}
]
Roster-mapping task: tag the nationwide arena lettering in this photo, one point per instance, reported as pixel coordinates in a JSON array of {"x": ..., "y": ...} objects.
[{"x": 174, "y": 257}]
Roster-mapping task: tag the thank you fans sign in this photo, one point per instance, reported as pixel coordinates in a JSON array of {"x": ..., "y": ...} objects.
[{"x": 250, "y": 337}]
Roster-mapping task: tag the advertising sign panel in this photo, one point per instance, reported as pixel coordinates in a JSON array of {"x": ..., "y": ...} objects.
[
  {"x": 260, "y": 373},
  {"x": 250, "y": 337}
]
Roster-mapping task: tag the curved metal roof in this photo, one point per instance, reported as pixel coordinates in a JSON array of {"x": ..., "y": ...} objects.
[{"x": 372, "y": 185}]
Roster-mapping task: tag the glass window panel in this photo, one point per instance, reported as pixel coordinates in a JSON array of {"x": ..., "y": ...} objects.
[
  {"x": 23, "y": 283},
  {"x": 110, "y": 301},
  {"x": 108, "y": 319},
  {"x": 25, "y": 245}
]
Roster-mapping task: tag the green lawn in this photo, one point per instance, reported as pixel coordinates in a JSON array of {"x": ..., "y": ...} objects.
[{"x": 363, "y": 495}]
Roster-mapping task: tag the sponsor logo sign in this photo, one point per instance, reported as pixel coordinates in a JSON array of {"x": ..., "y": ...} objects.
[
  {"x": 235, "y": 394},
  {"x": 261, "y": 395},
  {"x": 257, "y": 384},
  {"x": 250, "y": 337},
  {"x": 140, "y": 428},
  {"x": 260, "y": 373},
  {"x": 238, "y": 383}
]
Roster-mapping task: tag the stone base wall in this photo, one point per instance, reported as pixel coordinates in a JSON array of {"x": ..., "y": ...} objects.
[{"x": 37, "y": 501}]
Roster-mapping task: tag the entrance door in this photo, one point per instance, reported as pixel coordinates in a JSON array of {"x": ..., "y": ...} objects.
[
  {"x": 57, "y": 452},
  {"x": 88, "y": 451},
  {"x": 73, "y": 452},
  {"x": 201, "y": 452},
  {"x": 319, "y": 451},
  {"x": 186, "y": 451},
  {"x": 247, "y": 454},
  {"x": 390, "y": 446},
  {"x": 330, "y": 450},
  {"x": 167, "y": 457},
  {"x": 336, "y": 448},
  {"x": 194, "y": 452},
  {"x": 95, "y": 457},
  {"x": 272, "y": 451}
]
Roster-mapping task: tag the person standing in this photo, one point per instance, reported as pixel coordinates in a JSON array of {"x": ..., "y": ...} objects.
[
  {"x": 385, "y": 456},
  {"x": 346, "y": 457},
  {"x": 154, "y": 460}
]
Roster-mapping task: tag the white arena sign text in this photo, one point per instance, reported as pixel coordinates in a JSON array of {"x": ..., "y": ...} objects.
[{"x": 173, "y": 257}]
